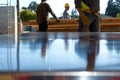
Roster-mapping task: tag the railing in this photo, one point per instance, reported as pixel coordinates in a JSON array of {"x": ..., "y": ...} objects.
[{"x": 107, "y": 25}]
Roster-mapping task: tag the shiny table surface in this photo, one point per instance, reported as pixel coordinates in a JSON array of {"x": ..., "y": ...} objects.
[{"x": 60, "y": 52}]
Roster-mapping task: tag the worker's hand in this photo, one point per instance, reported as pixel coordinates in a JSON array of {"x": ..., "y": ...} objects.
[{"x": 96, "y": 14}]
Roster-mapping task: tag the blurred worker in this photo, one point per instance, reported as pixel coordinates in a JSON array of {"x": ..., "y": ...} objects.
[
  {"x": 65, "y": 13},
  {"x": 89, "y": 15},
  {"x": 42, "y": 15}
]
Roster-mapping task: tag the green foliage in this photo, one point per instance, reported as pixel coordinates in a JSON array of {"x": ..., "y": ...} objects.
[
  {"x": 113, "y": 8},
  {"x": 26, "y": 15},
  {"x": 74, "y": 13},
  {"x": 33, "y": 6},
  {"x": 23, "y": 8},
  {"x": 118, "y": 15}
]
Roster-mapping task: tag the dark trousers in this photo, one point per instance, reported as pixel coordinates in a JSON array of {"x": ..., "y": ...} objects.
[
  {"x": 94, "y": 24},
  {"x": 43, "y": 26}
]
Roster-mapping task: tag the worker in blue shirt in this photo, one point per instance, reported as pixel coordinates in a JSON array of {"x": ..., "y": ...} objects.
[{"x": 65, "y": 13}]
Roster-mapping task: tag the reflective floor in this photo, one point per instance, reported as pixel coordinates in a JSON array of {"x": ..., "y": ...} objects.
[{"x": 60, "y": 51}]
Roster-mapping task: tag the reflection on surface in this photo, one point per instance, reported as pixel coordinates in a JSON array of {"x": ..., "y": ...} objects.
[
  {"x": 57, "y": 58},
  {"x": 7, "y": 53},
  {"x": 109, "y": 53},
  {"x": 62, "y": 52},
  {"x": 108, "y": 59},
  {"x": 115, "y": 48},
  {"x": 88, "y": 47},
  {"x": 67, "y": 78}
]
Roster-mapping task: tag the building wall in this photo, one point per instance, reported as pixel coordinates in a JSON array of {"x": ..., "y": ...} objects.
[{"x": 8, "y": 19}]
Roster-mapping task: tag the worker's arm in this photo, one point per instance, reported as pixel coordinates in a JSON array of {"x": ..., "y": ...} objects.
[
  {"x": 79, "y": 7},
  {"x": 80, "y": 11},
  {"x": 84, "y": 18},
  {"x": 52, "y": 13}
]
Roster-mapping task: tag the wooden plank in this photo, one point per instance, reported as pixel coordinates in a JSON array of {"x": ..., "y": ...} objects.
[
  {"x": 110, "y": 24},
  {"x": 107, "y": 24}
]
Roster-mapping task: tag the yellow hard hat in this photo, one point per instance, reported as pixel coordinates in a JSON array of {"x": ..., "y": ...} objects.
[{"x": 66, "y": 5}]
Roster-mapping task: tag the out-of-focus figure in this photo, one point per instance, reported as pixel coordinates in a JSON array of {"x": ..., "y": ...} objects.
[
  {"x": 42, "y": 15},
  {"x": 65, "y": 13},
  {"x": 89, "y": 15}
]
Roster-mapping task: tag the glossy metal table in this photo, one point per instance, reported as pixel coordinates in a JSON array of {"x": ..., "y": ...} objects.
[{"x": 61, "y": 56}]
